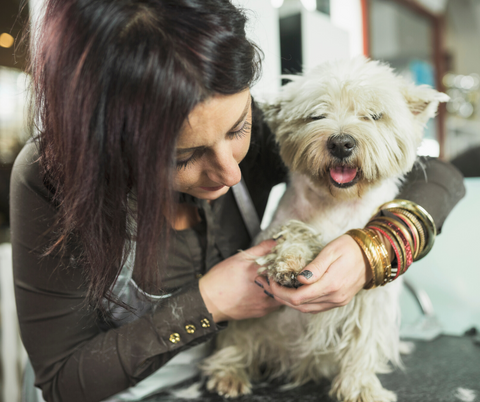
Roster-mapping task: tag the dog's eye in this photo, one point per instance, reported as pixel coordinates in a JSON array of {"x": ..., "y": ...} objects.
[
  {"x": 322, "y": 116},
  {"x": 376, "y": 116}
]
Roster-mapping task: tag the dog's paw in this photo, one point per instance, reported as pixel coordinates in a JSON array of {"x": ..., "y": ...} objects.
[
  {"x": 370, "y": 391},
  {"x": 287, "y": 269},
  {"x": 297, "y": 245},
  {"x": 406, "y": 348},
  {"x": 229, "y": 385}
]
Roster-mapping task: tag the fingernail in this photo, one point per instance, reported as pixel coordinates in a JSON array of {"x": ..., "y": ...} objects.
[
  {"x": 268, "y": 294},
  {"x": 306, "y": 273},
  {"x": 268, "y": 280},
  {"x": 259, "y": 284}
]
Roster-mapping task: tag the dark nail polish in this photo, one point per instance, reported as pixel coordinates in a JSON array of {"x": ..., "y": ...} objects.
[
  {"x": 259, "y": 284},
  {"x": 268, "y": 280},
  {"x": 268, "y": 294},
  {"x": 306, "y": 273}
]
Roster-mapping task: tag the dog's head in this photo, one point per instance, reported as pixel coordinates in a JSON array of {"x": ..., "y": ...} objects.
[{"x": 350, "y": 124}]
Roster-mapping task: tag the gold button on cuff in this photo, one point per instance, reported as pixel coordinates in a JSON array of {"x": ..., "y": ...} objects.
[
  {"x": 198, "y": 276},
  {"x": 205, "y": 323},
  {"x": 190, "y": 328},
  {"x": 174, "y": 338}
]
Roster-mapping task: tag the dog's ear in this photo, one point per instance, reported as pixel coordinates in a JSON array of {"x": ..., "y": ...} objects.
[
  {"x": 271, "y": 112},
  {"x": 423, "y": 100}
]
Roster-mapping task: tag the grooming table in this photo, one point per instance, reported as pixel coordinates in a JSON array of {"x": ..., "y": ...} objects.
[{"x": 434, "y": 372}]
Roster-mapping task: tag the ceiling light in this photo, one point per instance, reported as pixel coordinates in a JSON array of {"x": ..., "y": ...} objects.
[
  {"x": 310, "y": 5},
  {"x": 6, "y": 40},
  {"x": 429, "y": 147}
]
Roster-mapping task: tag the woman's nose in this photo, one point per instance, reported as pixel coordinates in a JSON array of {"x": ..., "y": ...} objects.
[{"x": 225, "y": 170}]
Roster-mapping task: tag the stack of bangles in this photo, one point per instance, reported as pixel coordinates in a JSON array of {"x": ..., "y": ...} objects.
[{"x": 408, "y": 228}]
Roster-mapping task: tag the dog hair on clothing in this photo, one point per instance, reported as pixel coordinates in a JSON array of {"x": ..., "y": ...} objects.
[{"x": 348, "y": 131}]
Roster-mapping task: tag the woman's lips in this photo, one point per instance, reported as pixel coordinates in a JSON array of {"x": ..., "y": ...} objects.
[{"x": 212, "y": 188}]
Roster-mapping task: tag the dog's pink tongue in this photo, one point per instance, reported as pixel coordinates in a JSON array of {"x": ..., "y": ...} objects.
[{"x": 343, "y": 174}]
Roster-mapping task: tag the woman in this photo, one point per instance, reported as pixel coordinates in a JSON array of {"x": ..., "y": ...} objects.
[{"x": 146, "y": 122}]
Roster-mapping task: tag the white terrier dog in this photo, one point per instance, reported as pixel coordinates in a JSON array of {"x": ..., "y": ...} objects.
[{"x": 348, "y": 131}]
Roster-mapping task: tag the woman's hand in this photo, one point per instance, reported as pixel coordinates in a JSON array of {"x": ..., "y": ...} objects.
[
  {"x": 229, "y": 290},
  {"x": 338, "y": 273}
]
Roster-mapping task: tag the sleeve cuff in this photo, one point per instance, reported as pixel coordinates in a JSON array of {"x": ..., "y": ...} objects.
[
  {"x": 435, "y": 185},
  {"x": 184, "y": 319}
]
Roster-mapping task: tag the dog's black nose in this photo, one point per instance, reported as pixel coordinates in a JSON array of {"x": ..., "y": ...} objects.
[{"x": 341, "y": 145}]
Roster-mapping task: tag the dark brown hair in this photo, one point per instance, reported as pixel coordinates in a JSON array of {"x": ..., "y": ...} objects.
[{"x": 114, "y": 81}]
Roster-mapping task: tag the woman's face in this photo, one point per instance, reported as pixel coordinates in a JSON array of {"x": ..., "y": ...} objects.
[{"x": 213, "y": 141}]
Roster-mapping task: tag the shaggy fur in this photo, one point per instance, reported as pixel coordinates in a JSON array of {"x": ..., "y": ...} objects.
[{"x": 385, "y": 116}]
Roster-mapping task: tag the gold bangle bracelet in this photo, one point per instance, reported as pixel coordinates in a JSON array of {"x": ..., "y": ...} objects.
[
  {"x": 370, "y": 249},
  {"x": 379, "y": 261},
  {"x": 358, "y": 235},
  {"x": 416, "y": 225},
  {"x": 401, "y": 262},
  {"x": 376, "y": 249},
  {"x": 399, "y": 226},
  {"x": 391, "y": 270},
  {"x": 400, "y": 231},
  {"x": 421, "y": 214},
  {"x": 386, "y": 264}
]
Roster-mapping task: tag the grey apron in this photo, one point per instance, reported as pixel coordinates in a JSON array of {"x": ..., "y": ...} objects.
[{"x": 183, "y": 366}]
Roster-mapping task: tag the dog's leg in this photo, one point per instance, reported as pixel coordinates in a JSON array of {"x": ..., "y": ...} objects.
[
  {"x": 227, "y": 374},
  {"x": 252, "y": 349},
  {"x": 360, "y": 387},
  {"x": 241, "y": 350},
  {"x": 312, "y": 367},
  {"x": 226, "y": 369},
  {"x": 369, "y": 345}
]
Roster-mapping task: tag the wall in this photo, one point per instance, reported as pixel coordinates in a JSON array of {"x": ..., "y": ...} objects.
[
  {"x": 263, "y": 29},
  {"x": 347, "y": 15},
  {"x": 322, "y": 40},
  {"x": 462, "y": 35}
]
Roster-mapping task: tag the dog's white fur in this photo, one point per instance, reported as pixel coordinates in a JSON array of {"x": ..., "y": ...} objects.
[{"x": 349, "y": 344}]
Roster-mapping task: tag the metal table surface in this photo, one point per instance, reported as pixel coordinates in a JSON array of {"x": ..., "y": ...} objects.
[{"x": 434, "y": 372}]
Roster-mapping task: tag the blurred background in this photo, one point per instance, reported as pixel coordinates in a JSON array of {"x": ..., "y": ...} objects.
[{"x": 432, "y": 42}]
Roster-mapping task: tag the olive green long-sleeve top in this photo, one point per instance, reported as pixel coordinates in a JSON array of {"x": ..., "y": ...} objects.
[{"x": 76, "y": 357}]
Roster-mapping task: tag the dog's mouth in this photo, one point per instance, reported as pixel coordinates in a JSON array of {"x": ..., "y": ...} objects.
[{"x": 343, "y": 176}]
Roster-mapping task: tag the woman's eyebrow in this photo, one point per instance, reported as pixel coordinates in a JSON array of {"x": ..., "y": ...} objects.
[{"x": 244, "y": 113}]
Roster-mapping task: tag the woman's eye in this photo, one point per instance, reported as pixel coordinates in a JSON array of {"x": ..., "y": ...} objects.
[
  {"x": 242, "y": 131},
  {"x": 182, "y": 164}
]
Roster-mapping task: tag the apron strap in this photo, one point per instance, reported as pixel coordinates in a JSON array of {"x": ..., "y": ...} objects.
[{"x": 246, "y": 207}]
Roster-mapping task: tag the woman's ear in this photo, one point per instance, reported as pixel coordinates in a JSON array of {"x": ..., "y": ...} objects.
[{"x": 423, "y": 101}]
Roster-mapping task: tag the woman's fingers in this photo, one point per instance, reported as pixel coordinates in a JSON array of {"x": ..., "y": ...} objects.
[
  {"x": 305, "y": 299},
  {"x": 317, "y": 268},
  {"x": 313, "y": 308},
  {"x": 295, "y": 298},
  {"x": 228, "y": 290},
  {"x": 332, "y": 279},
  {"x": 284, "y": 294}
]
